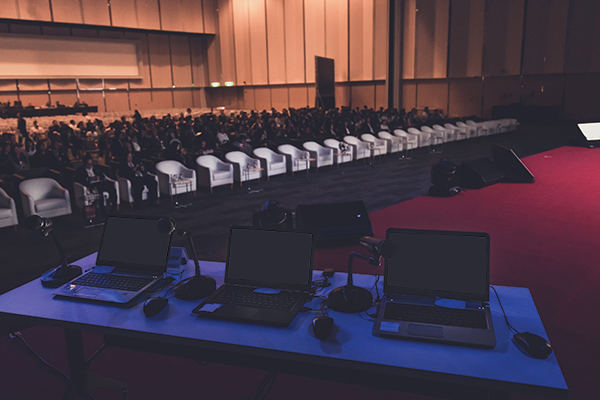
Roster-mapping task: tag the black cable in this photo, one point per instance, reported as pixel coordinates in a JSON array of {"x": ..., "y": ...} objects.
[
  {"x": 377, "y": 300},
  {"x": 96, "y": 354},
  {"x": 265, "y": 386},
  {"x": 19, "y": 335},
  {"x": 513, "y": 330}
]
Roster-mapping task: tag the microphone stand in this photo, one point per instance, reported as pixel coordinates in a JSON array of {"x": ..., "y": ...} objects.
[
  {"x": 350, "y": 298},
  {"x": 60, "y": 275},
  {"x": 197, "y": 286}
]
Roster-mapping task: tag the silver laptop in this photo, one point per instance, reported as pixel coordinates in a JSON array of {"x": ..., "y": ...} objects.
[
  {"x": 436, "y": 288},
  {"x": 590, "y": 130},
  {"x": 133, "y": 256}
]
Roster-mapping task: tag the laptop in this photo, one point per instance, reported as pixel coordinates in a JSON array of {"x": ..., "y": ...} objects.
[
  {"x": 133, "y": 256},
  {"x": 268, "y": 276},
  {"x": 436, "y": 288},
  {"x": 591, "y": 132}
]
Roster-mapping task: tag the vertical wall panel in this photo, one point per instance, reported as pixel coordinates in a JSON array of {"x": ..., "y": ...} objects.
[
  {"x": 466, "y": 38},
  {"x": 210, "y": 16},
  {"x": 33, "y": 84},
  {"x": 500, "y": 91},
  {"x": 140, "y": 99},
  {"x": 117, "y": 101},
  {"x": 465, "y": 97},
  {"x": 432, "y": 94},
  {"x": 199, "y": 98},
  {"x": 118, "y": 35},
  {"x": 25, "y": 29},
  {"x": 431, "y": 41},
  {"x": 180, "y": 60},
  {"x": 38, "y": 10},
  {"x": 213, "y": 61},
  {"x": 258, "y": 43},
  {"x": 93, "y": 99},
  {"x": 162, "y": 99},
  {"x": 249, "y": 99},
  {"x": 226, "y": 45},
  {"x": 543, "y": 90},
  {"x": 145, "y": 82},
  {"x": 312, "y": 93},
  {"x": 36, "y": 99},
  {"x": 9, "y": 9},
  {"x": 262, "y": 98},
  {"x": 409, "y": 95},
  {"x": 8, "y": 85},
  {"x": 68, "y": 11},
  {"x": 173, "y": 15},
  {"x": 342, "y": 95},
  {"x": 545, "y": 36},
  {"x": 582, "y": 96},
  {"x": 440, "y": 42},
  {"x": 67, "y": 98},
  {"x": 380, "y": 95},
  {"x": 241, "y": 24},
  {"x": 361, "y": 40},
  {"x": 380, "y": 62},
  {"x": 298, "y": 96},
  {"x": 294, "y": 37},
  {"x": 409, "y": 39},
  {"x": 279, "y": 98},
  {"x": 85, "y": 32},
  {"x": 160, "y": 61},
  {"x": 62, "y": 84},
  {"x": 90, "y": 84},
  {"x": 147, "y": 14},
  {"x": 362, "y": 95},
  {"x": 124, "y": 13},
  {"x": 276, "y": 42},
  {"x": 95, "y": 12},
  {"x": 182, "y": 98},
  {"x": 314, "y": 35},
  {"x": 56, "y": 30},
  {"x": 193, "y": 17},
  {"x": 199, "y": 61},
  {"x": 584, "y": 35},
  {"x": 336, "y": 36},
  {"x": 503, "y": 37}
]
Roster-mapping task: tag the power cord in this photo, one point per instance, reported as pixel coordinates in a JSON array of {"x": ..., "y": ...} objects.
[
  {"x": 19, "y": 335},
  {"x": 510, "y": 327},
  {"x": 265, "y": 386}
]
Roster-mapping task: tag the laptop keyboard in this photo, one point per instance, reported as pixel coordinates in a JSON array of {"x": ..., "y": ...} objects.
[
  {"x": 283, "y": 301},
  {"x": 117, "y": 282},
  {"x": 435, "y": 315}
]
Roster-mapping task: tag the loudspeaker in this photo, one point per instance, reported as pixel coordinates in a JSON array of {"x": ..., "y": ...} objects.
[
  {"x": 334, "y": 223},
  {"x": 479, "y": 173},
  {"x": 512, "y": 166}
]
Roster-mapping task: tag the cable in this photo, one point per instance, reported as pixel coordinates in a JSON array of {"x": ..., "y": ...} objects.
[
  {"x": 265, "y": 386},
  {"x": 377, "y": 300},
  {"x": 19, "y": 335},
  {"x": 510, "y": 328}
]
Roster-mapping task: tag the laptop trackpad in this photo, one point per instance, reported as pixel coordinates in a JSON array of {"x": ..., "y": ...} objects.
[{"x": 426, "y": 330}]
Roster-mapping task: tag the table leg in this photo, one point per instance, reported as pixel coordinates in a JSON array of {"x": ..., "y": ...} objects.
[{"x": 77, "y": 364}]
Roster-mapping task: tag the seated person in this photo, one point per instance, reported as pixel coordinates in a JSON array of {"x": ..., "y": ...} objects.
[
  {"x": 90, "y": 176},
  {"x": 139, "y": 178}
]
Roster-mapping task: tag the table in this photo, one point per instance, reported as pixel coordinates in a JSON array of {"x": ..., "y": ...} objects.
[
  {"x": 177, "y": 183},
  {"x": 351, "y": 355}
]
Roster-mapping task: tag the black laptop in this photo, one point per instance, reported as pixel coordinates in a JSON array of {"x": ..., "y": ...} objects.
[
  {"x": 436, "y": 288},
  {"x": 268, "y": 277}
]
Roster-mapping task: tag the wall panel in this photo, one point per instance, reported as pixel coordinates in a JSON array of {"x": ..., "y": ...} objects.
[
  {"x": 8, "y": 85},
  {"x": 432, "y": 94},
  {"x": 140, "y": 99},
  {"x": 84, "y": 32},
  {"x": 36, "y": 99},
  {"x": 199, "y": 61},
  {"x": 117, "y": 100},
  {"x": 226, "y": 46},
  {"x": 181, "y": 60},
  {"x": 342, "y": 95},
  {"x": 464, "y": 97},
  {"x": 62, "y": 84},
  {"x": 25, "y": 29},
  {"x": 210, "y": 16},
  {"x": 9, "y": 9},
  {"x": 336, "y": 36},
  {"x": 258, "y": 43},
  {"x": 147, "y": 14},
  {"x": 93, "y": 99},
  {"x": 543, "y": 90},
  {"x": 312, "y": 94},
  {"x": 582, "y": 96},
  {"x": 431, "y": 39},
  {"x": 160, "y": 61},
  {"x": 279, "y": 98},
  {"x": 182, "y": 98},
  {"x": 361, "y": 40},
  {"x": 243, "y": 61},
  {"x": 380, "y": 95},
  {"x": 95, "y": 12},
  {"x": 500, "y": 91},
  {"x": 162, "y": 99},
  {"x": 123, "y": 13},
  {"x": 33, "y": 84},
  {"x": 90, "y": 84},
  {"x": 409, "y": 95},
  {"x": 409, "y": 39},
  {"x": 145, "y": 81},
  {"x": 67, "y": 98},
  {"x": 9, "y": 96},
  {"x": 68, "y": 11},
  {"x": 362, "y": 95},
  {"x": 275, "y": 41},
  {"x": 298, "y": 96},
  {"x": 249, "y": 99},
  {"x": 294, "y": 37},
  {"x": 199, "y": 98},
  {"x": 56, "y": 31},
  {"x": 314, "y": 35},
  {"x": 503, "y": 33},
  {"x": 380, "y": 57},
  {"x": 34, "y": 10},
  {"x": 262, "y": 98},
  {"x": 584, "y": 36}
]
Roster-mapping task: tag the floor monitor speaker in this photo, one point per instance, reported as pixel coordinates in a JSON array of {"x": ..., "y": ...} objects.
[
  {"x": 479, "y": 173},
  {"x": 334, "y": 223}
]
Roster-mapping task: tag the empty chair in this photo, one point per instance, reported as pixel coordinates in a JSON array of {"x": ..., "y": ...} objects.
[
  {"x": 471, "y": 130},
  {"x": 8, "y": 210},
  {"x": 245, "y": 168},
  {"x": 44, "y": 197},
  {"x": 449, "y": 134},
  {"x": 175, "y": 178},
  {"x": 394, "y": 143},
  {"x": 341, "y": 150},
  {"x": 296, "y": 159},
  {"x": 322, "y": 156},
  {"x": 411, "y": 140},
  {"x": 360, "y": 149},
  {"x": 481, "y": 128},
  {"x": 460, "y": 133},
  {"x": 424, "y": 137},
  {"x": 271, "y": 162},
  {"x": 213, "y": 172},
  {"x": 379, "y": 146},
  {"x": 436, "y": 138}
]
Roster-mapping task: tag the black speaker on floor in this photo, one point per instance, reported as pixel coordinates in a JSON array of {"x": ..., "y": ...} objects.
[
  {"x": 512, "y": 166},
  {"x": 479, "y": 173},
  {"x": 334, "y": 223}
]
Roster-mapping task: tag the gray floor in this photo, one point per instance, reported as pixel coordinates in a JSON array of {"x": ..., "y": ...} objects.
[{"x": 390, "y": 181}]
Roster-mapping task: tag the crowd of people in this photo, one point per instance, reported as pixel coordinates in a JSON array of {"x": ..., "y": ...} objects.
[{"x": 183, "y": 137}]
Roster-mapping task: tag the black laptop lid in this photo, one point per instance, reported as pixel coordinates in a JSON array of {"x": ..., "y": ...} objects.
[
  {"x": 134, "y": 243},
  {"x": 447, "y": 264},
  {"x": 269, "y": 258}
]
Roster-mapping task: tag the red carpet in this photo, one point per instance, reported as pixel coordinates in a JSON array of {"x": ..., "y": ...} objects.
[{"x": 544, "y": 236}]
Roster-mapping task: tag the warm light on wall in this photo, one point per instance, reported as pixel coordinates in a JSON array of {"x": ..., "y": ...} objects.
[
  {"x": 215, "y": 84},
  {"x": 228, "y": 83}
]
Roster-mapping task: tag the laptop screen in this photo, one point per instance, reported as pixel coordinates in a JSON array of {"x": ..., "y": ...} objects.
[
  {"x": 591, "y": 130},
  {"x": 134, "y": 243},
  {"x": 278, "y": 259},
  {"x": 452, "y": 265}
]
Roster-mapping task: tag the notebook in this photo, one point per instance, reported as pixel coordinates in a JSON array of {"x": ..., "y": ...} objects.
[
  {"x": 133, "y": 256},
  {"x": 268, "y": 277},
  {"x": 436, "y": 288}
]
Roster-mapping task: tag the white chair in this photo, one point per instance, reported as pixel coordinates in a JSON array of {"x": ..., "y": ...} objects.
[
  {"x": 360, "y": 149},
  {"x": 378, "y": 146},
  {"x": 471, "y": 130},
  {"x": 125, "y": 189},
  {"x": 436, "y": 138},
  {"x": 449, "y": 134},
  {"x": 44, "y": 197},
  {"x": 341, "y": 151},
  {"x": 8, "y": 210},
  {"x": 82, "y": 193},
  {"x": 411, "y": 140},
  {"x": 214, "y": 172},
  {"x": 424, "y": 138},
  {"x": 323, "y": 156},
  {"x": 271, "y": 162},
  {"x": 169, "y": 182},
  {"x": 458, "y": 132},
  {"x": 245, "y": 168},
  {"x": 296, "y": 159},
  {"x": 481, "y": 128},
  {"x": 395, "y": 143}
]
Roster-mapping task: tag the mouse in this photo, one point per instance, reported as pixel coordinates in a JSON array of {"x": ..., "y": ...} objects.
[
  {"x": 155, "y": 305},
  {"x": 532, "y": 344},
  {"x": 322, "y": 327}
]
